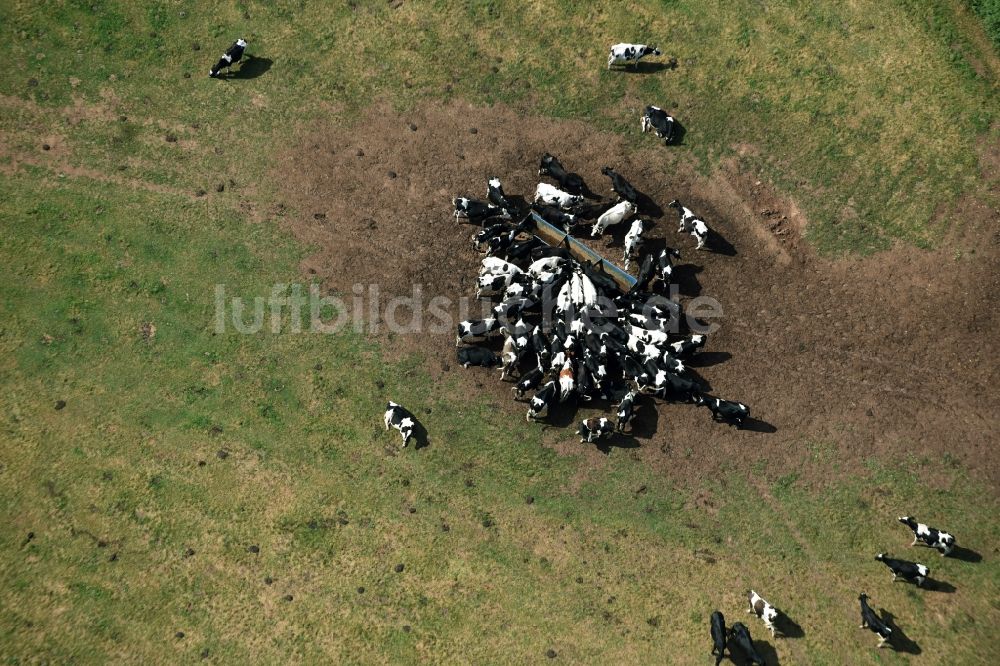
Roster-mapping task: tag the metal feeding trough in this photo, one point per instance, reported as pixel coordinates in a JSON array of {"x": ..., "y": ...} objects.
[{"x": 554, "y": 236}]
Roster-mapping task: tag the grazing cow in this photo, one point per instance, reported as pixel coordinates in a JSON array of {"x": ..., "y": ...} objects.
[
  {"x": 614, "y": 215},
  {"x": 495, "y": 195},
  {"x": 484, "y": 236},
  {"x": 551, "y": 167},
  {"x": 928, "y": 536},
  {"x": 232, "y": 56},
  {"x": 718, "y": 637},
  {"x": 478, "y": 356},
  {"x": 400, "y": 419},
  {"x": 872, "y": 622},
  {"x": 553, "y": 196},
  {"x": 763, "y": 610},
  {"x": 476, "y": 328},
  {"x": 691, "y": 223},
  {"x": 665, "y": 264},
  {"x": 529, "y": 381},
  {"x": 686, "y": 347},
  {"x": 908, "y": 571},
  {"x": 660, "y": 122},
  {"x": 632, "y": 240},
  {"x": 622, "y": 187},
  {"x": 545, "y": 397},
  {"x": 553, "y": 215},
  {"x": 630, "y": 54},
  {"x": 626, "y": 410},
  {"x": 595, "y": 428},
  {"x": 725, "y": 410},
  {"x": 475, "y": 210},
  {"x": 740, "y": 635}
]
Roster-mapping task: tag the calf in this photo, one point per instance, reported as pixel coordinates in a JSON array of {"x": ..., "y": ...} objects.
[
  {"x": 908, "y": 571},
  {"x": 763, "y": 610},
  {"x": 691, "y": 223},
  {"x": 660, "y": 122},
  {"x": 475, "y": 210},
  {"x": 540, "y": 403},
  {"x": 740, "y": 635},
  {"x": 630, "y": 54},
  {"x": 686, "y": 347},
  {"x": 928, "y": 536},
  {"x": 551, "y": 167},
  {"x": 718, "y": 637},
  {"x": 232, "y": 56},
  {"x": 614, "y": 215},
  {"x": 872, "y": 622},
  {"x": 665, "y": 264},
  {"x": 400, "y": 419},
  {"x": 626, "y": 410},
  {"x": 632, "y": 240},
  {"x": 622, "y": 187},
  {"x": 476, "y": 328},
  {"x": 529, "y": 381},
  {"x": 553, "y": 196},
  {"x": 478, "y": 356},
  {"x": 595, "y": 428},
  {"x": 725, "y": 410}
]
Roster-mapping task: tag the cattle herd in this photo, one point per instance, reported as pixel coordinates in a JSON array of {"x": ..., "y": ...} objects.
[{"x": 572, "y": 333}]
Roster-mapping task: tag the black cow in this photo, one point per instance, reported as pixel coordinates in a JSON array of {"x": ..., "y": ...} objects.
[
  {"x": 484, "y": 236},
  {"x": 590, "y": 211},
  {"x": 232, "y": 56},
  {"x": 659, "y": 121},
  {"x": 479, "y": 356},
  {"x": 551, "y": 167},
  {"x": 622, "y": 187},
  {"x": 718, "y": 637},
  {"x": 402, "y": 420},
  {"x": 908, "y": 571},
  {"x": 675, "y": 386},
  {"x": 929, "y": 536},
  {"x": 528, "y": 381},
  {"x": 725, "y": 410},
  {"x": 553, "y": 215},
  {"x": 872, "y": 622},
  {"x": 546, "y": 395},
  {"x": 595, "y": 428},
  {"x": 477, "y": 328},
  {"x": 495, "y": 195},
  {"x": 646, "y": 273},
  {"x": 740, "y": 635},
  {"x": 686, "y": 347}
]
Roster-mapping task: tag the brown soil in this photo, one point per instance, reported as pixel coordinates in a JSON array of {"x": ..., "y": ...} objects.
[{"x": 891, "y": 357}]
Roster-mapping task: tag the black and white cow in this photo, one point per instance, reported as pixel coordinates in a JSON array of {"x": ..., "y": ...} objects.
[
  {"x": 633, "y": 239},
  {"x": 718, "y": 637},
  {"x": 554, "y": 215},
  {"x": 528, "y": 381},
  {"x": 495, "y": 195},
  {"x": 232, "y": 56},
  {"x": 484, "y": 236},
  {"x": 553, "y": 196},
  {"x": 929, "y": 536},
  {"x": 626, "y": 409},
  {"x": 908, "y": 571},
  {"x": 630, "y": 54},
  {"x": 595, "y": 428},
  {"x": 872, "y": 622},
  {"x": 647, "y": 270},
  {"x": 400, "y": 419},
  {"x": 614, "y": 215},
  {"x": 691, "y": 223},
  {"x": 622, "y": 187},
  {"x": 725, "y": 410},
  {"x": 478, "y": 356},
  {"x": 476, "y": 211},
  {"x": 476, "y": 328},
  {"x": 740, "y": 635},
  {"x": 545, "y": 396},
  {"x": 686, "y": 347},
  {"x": 660, "y": 122},
  {"x": 665, "y": 264},
  {"x": 763, "y": 610},
  {"x": 674, "y": 386},
  {"x": 551, "y": 167}
]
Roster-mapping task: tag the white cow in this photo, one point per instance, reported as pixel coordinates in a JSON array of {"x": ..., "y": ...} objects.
[
  {"x": 630, "y": 54},
  {"x": 632, "y": 240},
  {"x": 549, "y": 194},
  {"x": 614, "y": 215}
]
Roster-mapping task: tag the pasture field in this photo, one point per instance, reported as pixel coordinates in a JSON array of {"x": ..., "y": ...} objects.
[{"x": 176, "y": 494}]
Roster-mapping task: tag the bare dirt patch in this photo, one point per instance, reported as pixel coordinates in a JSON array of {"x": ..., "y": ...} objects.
[{"x": 888, "y": 357}]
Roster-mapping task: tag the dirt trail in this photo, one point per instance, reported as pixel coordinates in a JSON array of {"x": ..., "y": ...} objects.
[{"x": 886, "y": 357}]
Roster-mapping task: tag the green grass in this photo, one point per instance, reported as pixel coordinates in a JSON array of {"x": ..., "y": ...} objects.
[
  {"x": 989, "y": 12},
  {"x": 112, "y": 237}
]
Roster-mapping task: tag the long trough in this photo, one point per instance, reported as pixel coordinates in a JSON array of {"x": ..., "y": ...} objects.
[{"x": 554, "y": 236}]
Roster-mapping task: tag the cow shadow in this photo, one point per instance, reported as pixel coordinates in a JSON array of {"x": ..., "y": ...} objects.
[
  {"x": 616, "y": 440},
  {"x": 718, "y": 244},
  {"x": 251, "y": 68},
  {"x": 789, "y": 628},
  {"x": 707, "y": 359},
  {"x": 645, "y": 419},
  {"x": 757, "y": 425},
  {"x": 647, "y": 206},
  {"x": 645, "y": 67},
  {"x": 420, "y": 437},
  {"x": 686, "y": 278},
  {"x": 965, "y": 555},
  {"x": 706, "y": 386},
  {"x": 900, "y": 641},
  {"x": 934, "y": 585}
]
